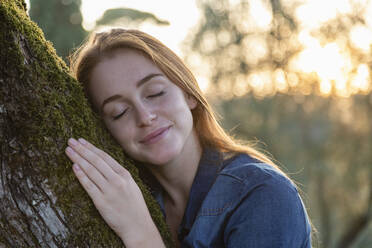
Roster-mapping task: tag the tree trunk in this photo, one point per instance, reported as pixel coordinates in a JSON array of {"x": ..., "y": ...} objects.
[{"x": 41, "y": 202}]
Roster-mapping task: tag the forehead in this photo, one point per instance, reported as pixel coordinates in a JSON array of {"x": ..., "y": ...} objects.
[
  {"x": 125, "y": 62},
  {"x": 118, "y": 71}
]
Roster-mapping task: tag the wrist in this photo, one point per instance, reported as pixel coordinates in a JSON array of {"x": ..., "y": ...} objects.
[{"x": 148, "y": 237}]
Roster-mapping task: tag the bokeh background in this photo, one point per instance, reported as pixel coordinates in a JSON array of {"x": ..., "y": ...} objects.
[{"x": 291, "y": 76}]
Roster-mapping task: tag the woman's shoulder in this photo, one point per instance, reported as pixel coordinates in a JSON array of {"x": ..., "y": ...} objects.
[
  {"x": 249, "y": 193},
  {"x": 251, "y": 173},
  {"x": 257, "y": 191}
]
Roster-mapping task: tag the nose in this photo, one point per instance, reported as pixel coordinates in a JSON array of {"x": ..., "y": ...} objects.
[{"x": 145, "y": 116}]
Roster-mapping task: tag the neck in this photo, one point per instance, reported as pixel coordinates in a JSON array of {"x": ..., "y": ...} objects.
[{"x": 177, "y": 176}]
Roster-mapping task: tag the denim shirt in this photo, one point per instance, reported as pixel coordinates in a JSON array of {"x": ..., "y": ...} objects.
[{"x": 242, "y": 202}]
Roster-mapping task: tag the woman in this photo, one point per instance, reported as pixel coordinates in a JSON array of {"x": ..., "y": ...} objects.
[{"x": 214, "y": 192}]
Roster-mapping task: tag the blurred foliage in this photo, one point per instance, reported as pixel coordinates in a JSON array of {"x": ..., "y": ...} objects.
[
  {"x": 264, "y": 47},
  {"x": 60, "y": 21},
  {"x": 303, "y": 93}
]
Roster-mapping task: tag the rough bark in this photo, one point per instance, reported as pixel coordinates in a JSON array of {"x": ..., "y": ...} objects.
[{"x": 41, "y": 202}]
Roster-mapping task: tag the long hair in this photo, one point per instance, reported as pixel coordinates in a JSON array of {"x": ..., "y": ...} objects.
[{"x": 101, "y": 45}]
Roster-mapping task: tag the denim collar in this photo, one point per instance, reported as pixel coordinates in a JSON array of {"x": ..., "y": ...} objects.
[{"x": 210, "y": 164}]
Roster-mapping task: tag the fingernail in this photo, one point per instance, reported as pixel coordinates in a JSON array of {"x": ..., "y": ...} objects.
[
  {"x": 72, "y": 142},
  {"x": 69, "y": 150},
  {"x": 82, "y": 141}
]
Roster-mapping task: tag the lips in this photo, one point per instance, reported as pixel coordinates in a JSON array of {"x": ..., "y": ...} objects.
[{"x": 155, "y": 136}]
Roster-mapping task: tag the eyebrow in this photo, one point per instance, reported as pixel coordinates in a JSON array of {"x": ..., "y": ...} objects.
[{"x": 138, "y": 84}]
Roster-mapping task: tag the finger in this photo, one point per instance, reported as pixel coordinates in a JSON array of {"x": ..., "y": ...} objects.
[
  {"x": 95, "y": 160},
  {"x": 106, "y": 157},
  {"x": 90, "y": 187},
  {"x": 90, "y": 171}
]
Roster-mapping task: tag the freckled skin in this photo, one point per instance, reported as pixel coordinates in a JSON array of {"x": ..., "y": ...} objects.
[{"x": 145, "y": 112}]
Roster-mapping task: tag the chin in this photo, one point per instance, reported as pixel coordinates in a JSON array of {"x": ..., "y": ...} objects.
[{"x": 162, "y": 156}]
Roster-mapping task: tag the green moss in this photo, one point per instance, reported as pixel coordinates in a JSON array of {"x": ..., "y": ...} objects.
[{"x": 46, "y": 106}]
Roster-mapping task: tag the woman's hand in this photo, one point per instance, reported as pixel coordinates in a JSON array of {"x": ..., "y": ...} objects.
[{"x": 114, "y": 193}]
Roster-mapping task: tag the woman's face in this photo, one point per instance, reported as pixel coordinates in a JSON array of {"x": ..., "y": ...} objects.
[{"x": 146, "y": 113}]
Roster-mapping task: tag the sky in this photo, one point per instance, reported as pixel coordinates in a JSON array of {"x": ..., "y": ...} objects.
[{"x": 182, "y": 16}]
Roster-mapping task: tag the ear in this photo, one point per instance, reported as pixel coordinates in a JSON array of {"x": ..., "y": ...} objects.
[{"x": 191, "y": 101}]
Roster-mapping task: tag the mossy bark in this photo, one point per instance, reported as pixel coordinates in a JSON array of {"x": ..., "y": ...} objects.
[{"x": 41, "y": 202}]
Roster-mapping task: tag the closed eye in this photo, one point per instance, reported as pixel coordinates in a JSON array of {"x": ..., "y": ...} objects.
[
  {"x": 150, "y": 96},
  {"x": 156, "y": 95},
  {"x": 119, "y": 115}
]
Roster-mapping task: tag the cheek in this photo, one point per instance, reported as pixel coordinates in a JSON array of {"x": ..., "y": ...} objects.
[
  {"x": 127, "y": 140},
  {"x": 180, "y": 113},
  {"x": 122, "y": 132},
  {"x": 175, "y": 103}
]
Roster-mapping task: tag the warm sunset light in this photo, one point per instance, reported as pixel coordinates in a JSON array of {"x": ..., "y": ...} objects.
[
  {"x": 361, "y": 37},
  {"x": 261, "y": 82},
  {"x": 332, "y": 61},
  {"x": 260, "y": 13},
  {"x": 325, "y": 86},
  {"x": 280, "y": 81},
  {"x": 182, "y": 15},
  {"x": 329, "y": 62},
  {"x": 313, "y": 13},
  {"x": 360, "y": 81}
]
